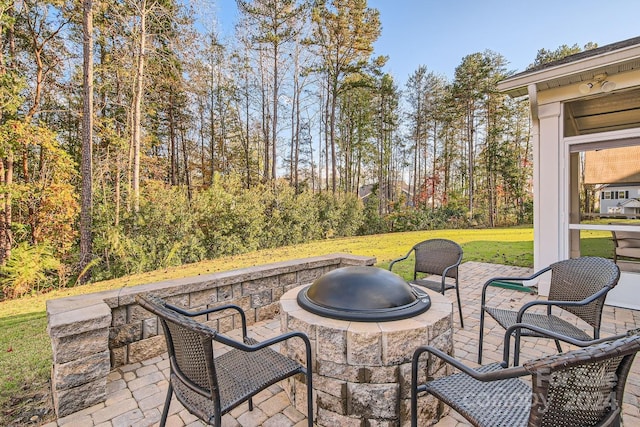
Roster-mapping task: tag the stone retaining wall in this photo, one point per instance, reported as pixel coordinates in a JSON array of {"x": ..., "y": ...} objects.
[{"x": 93, "y": 333}]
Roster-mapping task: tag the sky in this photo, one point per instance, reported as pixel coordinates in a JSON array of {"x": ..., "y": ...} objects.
[{"x": 440, "y": 33}]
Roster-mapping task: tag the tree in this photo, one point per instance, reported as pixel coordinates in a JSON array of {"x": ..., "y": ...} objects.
[
  {"x": 87, "y": 138},
  {"x": 344, "y": 33},
  {"x": 544, "y": 56},
  {"x": 273, "y": 26}
]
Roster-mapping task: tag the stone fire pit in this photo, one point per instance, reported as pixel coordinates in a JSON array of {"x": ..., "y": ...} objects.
[{"x": 362, "y": 370}]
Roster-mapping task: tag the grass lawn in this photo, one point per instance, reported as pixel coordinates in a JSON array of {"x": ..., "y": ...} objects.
[{"x": 25, "y": 349}]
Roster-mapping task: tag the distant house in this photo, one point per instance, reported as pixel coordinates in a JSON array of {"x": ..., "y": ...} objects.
[
  {"x": 399, "y": 187},
  {"x": 623, "y": 199}
]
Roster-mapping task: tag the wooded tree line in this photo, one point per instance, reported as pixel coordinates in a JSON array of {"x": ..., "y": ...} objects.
[{"x": 125, "y": 125}]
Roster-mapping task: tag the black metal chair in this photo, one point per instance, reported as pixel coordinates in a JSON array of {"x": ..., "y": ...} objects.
[
  {"x": 578, "y": 286},
  {"x": 436, "y": 257},
  {"x": 580, "y": 388},
  {"x": 209, "y": 386}
]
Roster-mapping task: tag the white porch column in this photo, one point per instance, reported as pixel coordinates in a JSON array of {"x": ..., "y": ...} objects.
[{"x": 548, "y": 162}]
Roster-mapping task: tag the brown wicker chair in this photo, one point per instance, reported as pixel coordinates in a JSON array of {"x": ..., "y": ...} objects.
[
  {"x": 437, "y": 257},
  {"x": 209, "y": 386},
  {"x": 580, "y": 388},
  {"x": 578, "y": 286},
  {"x": 626, "y": 245}
]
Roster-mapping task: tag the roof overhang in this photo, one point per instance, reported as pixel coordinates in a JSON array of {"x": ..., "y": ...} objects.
[{"x": 582, "y": 67}]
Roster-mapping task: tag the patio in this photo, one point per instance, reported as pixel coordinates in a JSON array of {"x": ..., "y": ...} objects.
[{"x": 136, "y": 392}]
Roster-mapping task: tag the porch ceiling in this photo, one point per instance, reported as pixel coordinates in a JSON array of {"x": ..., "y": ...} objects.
[{"x": 603, "y": 113}]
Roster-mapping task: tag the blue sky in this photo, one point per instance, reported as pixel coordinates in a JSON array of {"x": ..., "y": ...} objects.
[{"x": 439, "y": 33}]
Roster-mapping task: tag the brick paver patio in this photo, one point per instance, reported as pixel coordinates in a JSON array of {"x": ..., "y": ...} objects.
[{"x": 136, "y": 392}]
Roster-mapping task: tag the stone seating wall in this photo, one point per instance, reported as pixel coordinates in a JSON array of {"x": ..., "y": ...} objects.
[{"x": 94, "y": 333}]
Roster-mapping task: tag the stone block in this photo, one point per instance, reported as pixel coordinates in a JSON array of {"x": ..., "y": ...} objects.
[
  {"x": 261, "y": 298},
  {"x": 332, "y": 344},
  {"x": 125, "y": 334},
  {"x": 81, "y": 371},
  {"x": 330, "y": 419},
  {"x": 253, "y": 286},
  {"x": 146, "y": 349},
  {"x": 378, "y": 374},
  {"x": 276, "y": 293},
  {"x": 364, "y": 344},
  {"x": 441, "y": 326},
  {"x": 203, "y": 298},
  {"x": 398, "y": 346},
  {"x": 118, "y": 316},
  {"x": 150, "y": 327},
  {"x": 337, "y": 370},
  {"x": 430, "y": 410},
  {"x": 373, "y": 400},
  {"x": 72, "y": 400},
  {"x": 334, "y": 387},
  {"x": 287, "y": 279},
  {"x": 72, "y": 347},
  {"x": 78, "y": 320},
  {"x": 225, "y": 293},
  {"x": 179, "y": 300},
  {"x": 225, "y": 324},
  {"x": 135, "y": 313},
  {"x": 271, "y": 311},
  {"x": 308, "y": 276},
  {"x": 118, "y": 356},
  {"x": 332, "y": 403}
]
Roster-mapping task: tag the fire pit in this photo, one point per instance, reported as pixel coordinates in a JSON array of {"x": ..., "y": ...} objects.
[
  {"x": 364, "y": 294},
  {"x": 364, "y": 324}
]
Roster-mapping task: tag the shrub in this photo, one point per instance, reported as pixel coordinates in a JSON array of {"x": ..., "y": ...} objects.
[{"x": 29, "y": 269}]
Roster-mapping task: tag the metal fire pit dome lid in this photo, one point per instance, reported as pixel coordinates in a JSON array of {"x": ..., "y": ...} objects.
[{"x": 366, "y": 294}]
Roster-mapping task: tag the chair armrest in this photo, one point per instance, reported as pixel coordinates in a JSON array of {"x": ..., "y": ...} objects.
[
  {"x": 400, "y": 259},
  {"x": 267, "y": 343},
  {"x": 557, "y": 303},
  {"x": 214, "y": 310},
  {"x": 513, "y": 372},
  {"x": 496, "y": 279},
  {"x": 580, "y": 343}
]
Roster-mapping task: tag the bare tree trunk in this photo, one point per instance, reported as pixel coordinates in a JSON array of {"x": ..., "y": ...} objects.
[
  {"x": 87, "y": 141},
  {"x": 137, "y": 113}
]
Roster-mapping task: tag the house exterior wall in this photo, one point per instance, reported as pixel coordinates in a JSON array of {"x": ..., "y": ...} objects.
[{"x": 612, "y": 199}]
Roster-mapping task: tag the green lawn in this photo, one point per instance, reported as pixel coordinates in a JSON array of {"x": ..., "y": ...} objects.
[{"x": 25, "y": 350}]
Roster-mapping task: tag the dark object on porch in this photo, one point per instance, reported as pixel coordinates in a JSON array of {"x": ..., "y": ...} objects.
[
  {"x": 437, "y": 257},
  {"x": 578, "y": 286},
  {"x": 584, "y": 387},
  {"x": 209, "y": 386}
]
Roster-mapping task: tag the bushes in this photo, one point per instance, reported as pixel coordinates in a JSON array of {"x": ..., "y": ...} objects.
[{"x": 225, "y": 219}]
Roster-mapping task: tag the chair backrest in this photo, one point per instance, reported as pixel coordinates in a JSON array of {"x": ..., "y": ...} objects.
[
  {"x": 190, "y": 348},
  {"x": 583, "y": 387},
  {"x": 626, "y": 239},
  {"x": 578, "y": 278},
  {"x": 434, "y": 256}
]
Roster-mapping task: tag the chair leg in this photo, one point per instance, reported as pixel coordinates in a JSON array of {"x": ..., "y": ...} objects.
[
  {"x": 516, "y": 350},
  {"x": 167, "y": 403},
  {"x": 251, "y": 403},
  {"x": 481, "y": 335},
  {"x": 459, "y": 306},
  {"x": 558, "y": 346},
  {"x": 309, "y": 398}
]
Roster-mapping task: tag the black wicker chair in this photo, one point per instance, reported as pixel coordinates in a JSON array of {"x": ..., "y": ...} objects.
[
  {"x": 578, "y": 286},
  {"x": 209, "y": 386},
  {"x": 436, "y": 257},
  {"x": 580, "y": 388}
]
